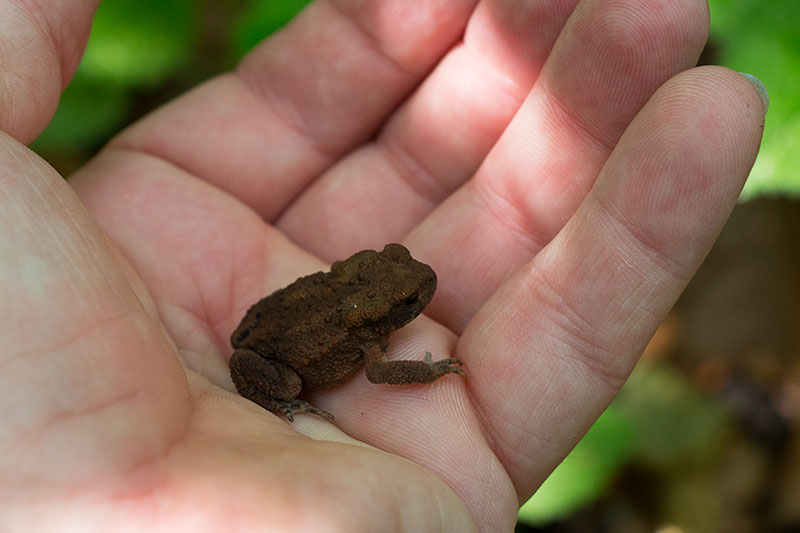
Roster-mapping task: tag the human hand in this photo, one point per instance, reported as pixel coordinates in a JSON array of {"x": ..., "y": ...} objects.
[{"x": 562, "y": 183}]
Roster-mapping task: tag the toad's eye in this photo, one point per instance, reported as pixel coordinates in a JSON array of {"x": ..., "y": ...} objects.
[{"x": 414, "y": 298}]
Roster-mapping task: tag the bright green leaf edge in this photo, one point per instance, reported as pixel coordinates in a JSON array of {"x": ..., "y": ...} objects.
[{"x": 586, "y": 471}]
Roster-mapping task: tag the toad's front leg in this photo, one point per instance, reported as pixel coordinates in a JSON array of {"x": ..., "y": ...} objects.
[{"x": 379, "y": 370}]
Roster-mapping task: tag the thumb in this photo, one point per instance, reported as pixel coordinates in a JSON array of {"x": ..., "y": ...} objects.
[{"x": 91, "y": 385}]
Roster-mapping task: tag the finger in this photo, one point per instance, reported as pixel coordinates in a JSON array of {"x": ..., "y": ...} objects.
[
  {"x": 304, "y": 97},
  {"x": 41, "y": 46},
  {"x": 79, "y": 349},
  {"x": 550, "y": 349},
  {"x": 436, "y": 140},
  {"x": 608, "y": 61}
]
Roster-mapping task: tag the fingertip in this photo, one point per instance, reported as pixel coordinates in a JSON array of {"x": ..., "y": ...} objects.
[
  {"x": 740, "y": 101},
  {"x": 711, "y": 107},
  {"x": 728, "y": 85},
  {"x": 760, "y": 88},
  {"x": 681, "y": 165}
]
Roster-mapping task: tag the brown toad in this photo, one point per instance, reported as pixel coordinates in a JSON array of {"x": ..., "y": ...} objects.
[{"x": 321, "y": 329}]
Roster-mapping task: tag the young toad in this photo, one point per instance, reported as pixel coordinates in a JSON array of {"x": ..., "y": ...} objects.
[{"x": 321, "y": 329}]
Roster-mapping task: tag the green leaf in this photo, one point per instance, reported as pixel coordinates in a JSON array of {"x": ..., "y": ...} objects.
[
  {"x": 675, "y": 423},
  {"x": 761, "y": 38},
  {"x": 261, "y": 18},
  {"x": 586, "y": 471},
  {"x": 89, "y": 113},
  {"x": 138, "y": 43},
  {"x": 134, "y": 44},
  {"x": 659, "y": 419}
]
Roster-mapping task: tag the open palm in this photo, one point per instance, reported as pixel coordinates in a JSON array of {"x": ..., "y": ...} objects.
[{"x": 544, "y": 158}]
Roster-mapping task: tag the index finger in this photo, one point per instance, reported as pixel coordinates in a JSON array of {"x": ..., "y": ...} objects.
[{"x": 550, "y": 349}]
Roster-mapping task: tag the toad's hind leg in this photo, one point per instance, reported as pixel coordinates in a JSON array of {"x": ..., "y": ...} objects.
[
  {"x": 271, "y": 384},
  {"x": 379, "y": 370}
]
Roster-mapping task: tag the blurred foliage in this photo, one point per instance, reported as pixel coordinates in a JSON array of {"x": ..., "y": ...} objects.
[
  {"x": 89, "y": 113},
  {"x": 260, "y": 18},
  {"x": 763, "y": 38},
  {"x": 136, "y": 48},
  {"x": 586, "y": 471},
  {"x": 135, "y": 45},
  {"x": 675, "y": 424},
  {"x": 139, "y": 43},
  {"x": 659, "y": 421}
]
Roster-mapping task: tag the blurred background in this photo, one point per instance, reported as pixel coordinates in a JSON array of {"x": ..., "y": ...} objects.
[{"x": 705, "y": 437}]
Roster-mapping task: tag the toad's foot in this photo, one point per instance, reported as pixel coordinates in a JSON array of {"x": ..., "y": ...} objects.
[
  {"x": 445, "y": 366},
  {"x": 291, "y": 407}
]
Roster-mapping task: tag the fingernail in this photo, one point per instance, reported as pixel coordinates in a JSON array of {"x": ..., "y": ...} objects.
[{"x": 762, "y": 90}]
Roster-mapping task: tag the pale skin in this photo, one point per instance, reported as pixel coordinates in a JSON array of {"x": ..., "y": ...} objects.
[{"x": 564, "y": 178}]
